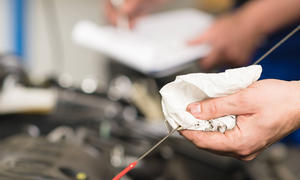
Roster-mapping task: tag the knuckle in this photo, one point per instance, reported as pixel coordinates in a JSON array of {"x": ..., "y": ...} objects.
[
  {"x": 242, "y": 148},
  {"x": 242, "y": 100},
  {"x": 248, "y": 158},
  {"x": 210, "y": 108},
  {"x": 244, "y": 152}
]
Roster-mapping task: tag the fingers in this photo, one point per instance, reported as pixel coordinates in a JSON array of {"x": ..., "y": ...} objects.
[
  {"x": 207, "y": 140},
  {"x": 198, "y": 40},
  {"x": 235, "y": 104},
  {"x": 110, "y": 13},
  {"x": 134, "y": 19},
  {"x": 211, "y": 59},
  {"x": 249, "y": 157},
  {"x": 214, "y": 56},
  {"x": 218, "y": 143},
  {"x": 129, "y": 7}
]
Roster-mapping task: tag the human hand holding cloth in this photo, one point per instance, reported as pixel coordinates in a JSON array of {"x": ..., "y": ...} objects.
[
  {"x": 177, "y": 95},
  {"x": 266, "y": 111}
]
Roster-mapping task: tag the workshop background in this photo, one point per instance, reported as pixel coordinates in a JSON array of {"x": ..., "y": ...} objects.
[
  {"x": 46, "y": 27},
  {"x": 68, "y": 112}
]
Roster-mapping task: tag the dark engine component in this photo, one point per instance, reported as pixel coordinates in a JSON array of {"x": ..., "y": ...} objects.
[
  {"x": 29, "y": 158},
  {"x": 10, "y": 66}
]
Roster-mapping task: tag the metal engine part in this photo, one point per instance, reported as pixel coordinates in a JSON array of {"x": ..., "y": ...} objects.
[{"x": 36, "y": 158}]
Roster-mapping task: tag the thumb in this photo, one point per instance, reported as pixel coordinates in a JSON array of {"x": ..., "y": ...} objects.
[
  {"x": 129, "y": 7},
  {"x": 219, "y": 107}
]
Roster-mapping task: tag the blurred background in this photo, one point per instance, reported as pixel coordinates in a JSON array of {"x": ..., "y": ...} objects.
[
  {"x": 70, "y": 112},
  {"x": 40, "y": 31}
]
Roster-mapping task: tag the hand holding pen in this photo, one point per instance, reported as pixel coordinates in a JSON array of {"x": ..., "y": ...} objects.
[{"x": 124, "y": 13}]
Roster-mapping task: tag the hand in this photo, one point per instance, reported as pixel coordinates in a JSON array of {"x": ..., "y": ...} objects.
[
  {"x": 133, "y": 9},
  {"x": 267, "y": 111},
  {"x": 233, "y": 41}
]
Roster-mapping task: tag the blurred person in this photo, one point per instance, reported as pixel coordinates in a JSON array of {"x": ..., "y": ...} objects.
[
  {"x": 235, "y": 36},
  {"x": 268, "y": 110},
  {"x": 132, "y": 9}
]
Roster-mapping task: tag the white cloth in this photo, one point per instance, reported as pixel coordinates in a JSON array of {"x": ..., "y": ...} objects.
[{"x": 177, "y": 95}]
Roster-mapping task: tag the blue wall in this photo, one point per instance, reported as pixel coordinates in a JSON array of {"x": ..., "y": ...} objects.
[{"x": 19, "y": 27}]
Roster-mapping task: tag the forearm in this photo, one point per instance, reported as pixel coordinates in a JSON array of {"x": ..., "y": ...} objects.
[{"x": 268, "y": 16}]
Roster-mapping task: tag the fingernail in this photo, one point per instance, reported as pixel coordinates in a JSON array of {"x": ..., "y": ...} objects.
[{"x": 195, "y": 109}]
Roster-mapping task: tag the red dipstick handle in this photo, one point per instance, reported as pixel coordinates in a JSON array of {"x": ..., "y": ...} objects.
[
  {"x": 132, "y": 165},
  {"x": 125, "y": 171}
]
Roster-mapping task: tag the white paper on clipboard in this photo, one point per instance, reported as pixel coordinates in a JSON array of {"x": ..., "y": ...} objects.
[{"x": 157, "y": 44}]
